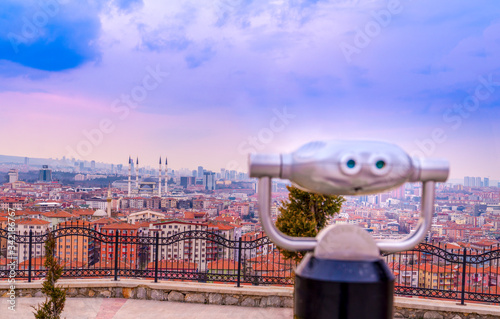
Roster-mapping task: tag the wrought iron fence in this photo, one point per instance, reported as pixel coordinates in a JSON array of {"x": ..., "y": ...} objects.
[
  {"x": 195, "y": 255},
  {"x": 445, "y": 271},
  {"x": 429, "y": 270}
]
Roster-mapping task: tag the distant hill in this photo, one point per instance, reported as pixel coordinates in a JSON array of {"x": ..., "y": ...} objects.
[{"x": 33, "y": 161}]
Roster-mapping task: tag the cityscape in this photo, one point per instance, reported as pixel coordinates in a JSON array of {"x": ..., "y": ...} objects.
[
  {"x": 189, "y": 224},
  {"x": 466, "y": 213},
  {"x": 139, "y": 137}
]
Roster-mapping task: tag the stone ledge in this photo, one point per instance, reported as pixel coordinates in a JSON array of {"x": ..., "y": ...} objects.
[
  {"x": 165, "y": 285},
  {"x": 405, "y": 307}
]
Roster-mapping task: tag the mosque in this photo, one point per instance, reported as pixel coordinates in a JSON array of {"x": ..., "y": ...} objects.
[{"x": 147, "y": 186}]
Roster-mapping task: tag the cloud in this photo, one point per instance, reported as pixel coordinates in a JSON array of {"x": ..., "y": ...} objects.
[
  {"x": 197, "y": 58},
  {"x": 171, "y": 38},
  {"x": 128, "y": 6},
  {"x": 242, "y": 58},
  {"x": 49, "y": 35}
]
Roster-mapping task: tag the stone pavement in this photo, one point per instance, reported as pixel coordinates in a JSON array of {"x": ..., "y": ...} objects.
[{"x": 118, "y": 308}]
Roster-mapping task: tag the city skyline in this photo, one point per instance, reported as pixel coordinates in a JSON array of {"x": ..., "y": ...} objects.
[
  {"x": 148, "y": 170},
  {"x": 206, "y": 83}
]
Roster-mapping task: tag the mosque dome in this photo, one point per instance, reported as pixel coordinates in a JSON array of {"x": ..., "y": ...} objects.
[{"x": 100, "y": 213}]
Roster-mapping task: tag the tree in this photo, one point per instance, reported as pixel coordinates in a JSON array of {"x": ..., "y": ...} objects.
[
  {"x": 56, "y": 296},
  {"x": 305, "y": 214}
]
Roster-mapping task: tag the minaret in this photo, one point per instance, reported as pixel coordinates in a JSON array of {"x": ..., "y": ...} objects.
[
  {"x": 129, "y": 175},
  {"x": 159, "y": 179},
  {"x": 166, "y": 175},
  {"x": 137, "y": 174},
  {"x": 109, "y": 199}
]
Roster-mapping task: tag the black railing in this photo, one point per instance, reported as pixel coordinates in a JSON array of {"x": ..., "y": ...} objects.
[
  {"x": 194, "y": 255},
  {"x": 443, "y": 271},
  {"x": 429, "y": 270}
]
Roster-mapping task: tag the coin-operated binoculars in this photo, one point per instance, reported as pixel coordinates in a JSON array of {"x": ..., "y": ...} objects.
[{"x": 343, "y": 275}]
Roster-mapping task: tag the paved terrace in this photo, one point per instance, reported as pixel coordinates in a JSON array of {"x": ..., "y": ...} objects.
[
  {"x": 119, "y": 308},
  {"x": 131, "y": 298}
]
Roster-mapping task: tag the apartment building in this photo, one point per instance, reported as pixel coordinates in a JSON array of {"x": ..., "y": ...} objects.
[
  {"x": 145, "y": 215},
  {"x": 57, "y": 217},
  {"x": 127, "y": 253},
  {"x": 38, "y": 227},
  {"x": 193, "y": 250},
  {"x": 74, "y": 249}
]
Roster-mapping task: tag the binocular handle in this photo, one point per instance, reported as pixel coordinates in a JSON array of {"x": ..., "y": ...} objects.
[
  {"x": 309, "y": 243},
  {"x": 347, "y": 168}
]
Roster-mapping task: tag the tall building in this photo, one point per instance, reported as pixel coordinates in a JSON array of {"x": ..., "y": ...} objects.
[
  {"x": 232, "y": 175},
  {"x": 26, "y": 161},
  {"x": 13, "y": 175},
  {"x": 478, "y": 182},
  {"x": 467, "y": 181},
  {"x": 92, "y": 165},
  {"x": 45, "y": 174},
  {"x": 187, "y": 180},
  {"x": 200, "y": 171},
  {"x": 486, "y": 182},
  {"x": 209, "y": 181},
  {"x": 399, "y": 192}
]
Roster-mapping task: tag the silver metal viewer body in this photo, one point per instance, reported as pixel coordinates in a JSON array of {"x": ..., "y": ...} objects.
[{"x": 347, "y": 168}]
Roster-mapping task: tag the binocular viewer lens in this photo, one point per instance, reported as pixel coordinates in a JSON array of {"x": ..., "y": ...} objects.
[{"x": 348, "y": 167}]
